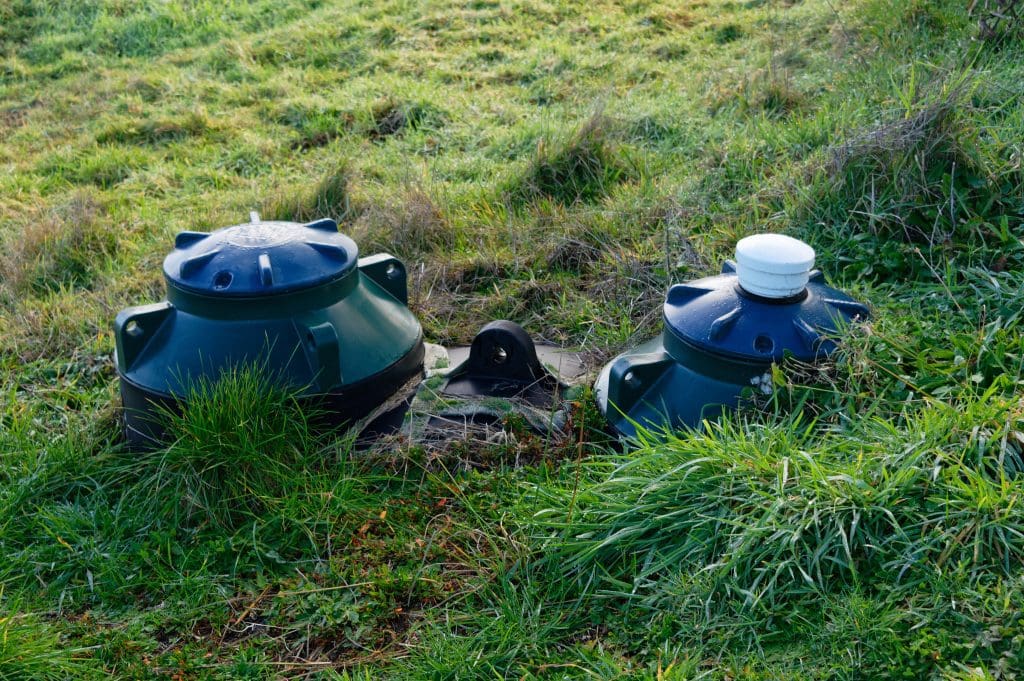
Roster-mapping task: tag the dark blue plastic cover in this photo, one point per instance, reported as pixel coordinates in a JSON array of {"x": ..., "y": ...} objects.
[
  {"x": 716, "y": 315},
  {"x": 260, "y": 258}
]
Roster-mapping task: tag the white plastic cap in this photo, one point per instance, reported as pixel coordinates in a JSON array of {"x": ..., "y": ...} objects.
[{"x": 773, "y": 265}]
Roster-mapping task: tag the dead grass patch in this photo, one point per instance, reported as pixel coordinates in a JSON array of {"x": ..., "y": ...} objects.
[
  {"x": 12, "y": 117},
  {"x": 573, "y": 255},
  {"x": 412, "y": 223},
  {"x": 665, "y": 20},
  {"x": 451, "y": 298},
  {"x": 769, "y": 91},
  {"x": 58, "y": 327},
  {"x": 392, "y": 117},
  {"x": 909, "y": 172},
  {"x": 67, "y": 248}
]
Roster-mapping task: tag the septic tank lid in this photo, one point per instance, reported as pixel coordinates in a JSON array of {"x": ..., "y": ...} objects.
[
  {"x": 765, "y": 305},
  {"x": 260, "y": 258}
]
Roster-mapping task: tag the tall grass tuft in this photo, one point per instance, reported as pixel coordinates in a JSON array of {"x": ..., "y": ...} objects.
[
  {"x": 240, "y": 445},
  {"x": 582, "y": 168},
  {"x": 770, "y": 513},
  {"x": 410, "y": 223},
  {"x": 936, "y": 178},
  {"x": 329, "y": 198}
]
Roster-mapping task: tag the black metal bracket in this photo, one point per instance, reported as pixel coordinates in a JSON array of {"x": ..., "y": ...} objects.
[{"x": 503, "y": 363}]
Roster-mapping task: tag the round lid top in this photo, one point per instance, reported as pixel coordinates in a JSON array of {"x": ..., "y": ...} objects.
[
  {"x": 260, "y": 258},
  {"x": 773, "y": 265},
  {"x": 719, "y": 315}
]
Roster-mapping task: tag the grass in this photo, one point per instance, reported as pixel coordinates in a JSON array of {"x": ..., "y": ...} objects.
[
  {"x": 580, "y": 169},
  {"x": 560, "y": 164},
  {"x": 68, "y": 249},
  {"x": 328, "y": 198},
  {"x": 768, "y": 517},
  {"x": 31, "y": 649}
]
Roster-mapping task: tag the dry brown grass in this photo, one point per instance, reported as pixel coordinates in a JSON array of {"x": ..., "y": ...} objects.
[
  {"x": 67, "y": 247},
  {"x": 582, "y": 168},
  {"x": 769, "y": 91},
  {"x": 573, "y": 255},
  {"x": 927, "y": 127},
  {"x": 330, "y": 198},
  {"x": 998, "y": 20},
  {"x": 451, "y": 296},
  {"x": 410, "y": 224},
  {"x": 916, "y": 173}
]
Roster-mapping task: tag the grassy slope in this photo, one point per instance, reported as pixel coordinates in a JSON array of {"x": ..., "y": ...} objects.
[{"x": 559, "y": 164}]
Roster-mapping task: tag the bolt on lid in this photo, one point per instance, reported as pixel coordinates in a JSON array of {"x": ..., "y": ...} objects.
[
  {"x": 773, "y": 265},
  {"x": 260, "y": 258}
]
